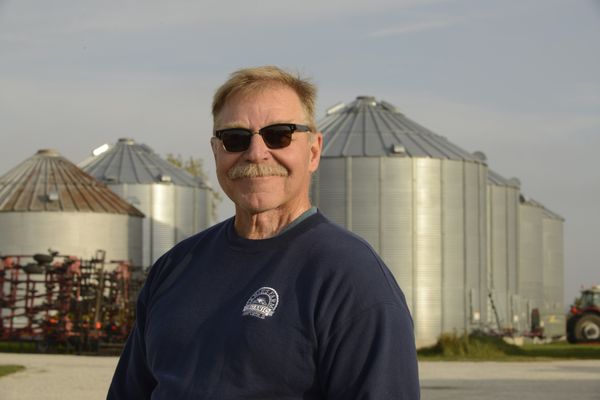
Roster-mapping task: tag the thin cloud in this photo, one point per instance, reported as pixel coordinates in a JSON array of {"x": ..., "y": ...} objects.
[
  {"x": 64, "y": 18},
  {"x": 415, "y": 27}
]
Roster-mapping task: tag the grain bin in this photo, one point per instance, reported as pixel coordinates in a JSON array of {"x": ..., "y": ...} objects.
[
  {"x": 176, "y": 204},
  {"x": 552, "y": 312},
  {"x": 503, "y": 244},
  {"x": 419, "y": 200},
  {"x": 531, "y": 258},
  {"x": 48, "y": 202}
]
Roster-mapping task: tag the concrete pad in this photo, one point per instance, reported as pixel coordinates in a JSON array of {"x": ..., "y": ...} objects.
[
  {"x": 540, "y": 380},
  {"x": 67, "y": 377},
  {"x": 55, "y": 377}
]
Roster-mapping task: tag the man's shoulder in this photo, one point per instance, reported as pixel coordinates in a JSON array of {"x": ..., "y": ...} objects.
[
  {"x": 338, "y": 255},
  {"x": 213, "y": 232},
  {"x": 333, "y": 240},
  {"x": 174, "y": 262},
  {"x": 351, "y": 278},
  {"x": 187, "y": 246}
]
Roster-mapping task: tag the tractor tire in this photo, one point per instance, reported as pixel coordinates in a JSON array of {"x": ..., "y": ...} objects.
[
  {"x": 571, "y": 337},
  {"x": 587, "y": 328}
]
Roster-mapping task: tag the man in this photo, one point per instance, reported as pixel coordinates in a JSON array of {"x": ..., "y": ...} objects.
[{"x": 276, "y": 302}]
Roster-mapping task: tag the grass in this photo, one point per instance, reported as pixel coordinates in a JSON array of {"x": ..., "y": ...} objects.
[
  {"x": 481, "y": 347},
  {"x": 563, "y": 350},
  {"x": 17, "y": 347},
  {"x": 10, "y": 369}
]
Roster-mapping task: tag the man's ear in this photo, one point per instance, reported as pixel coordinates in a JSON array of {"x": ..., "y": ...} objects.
[
  {"x": 214, "y": 142},
  {"x": 316, "y": 145}
]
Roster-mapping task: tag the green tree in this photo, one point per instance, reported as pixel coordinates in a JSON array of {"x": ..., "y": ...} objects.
[{"x": 193, "y": 166}]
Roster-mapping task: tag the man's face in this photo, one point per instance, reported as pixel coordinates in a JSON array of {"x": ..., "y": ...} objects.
[{"x": 287, "y": 194}]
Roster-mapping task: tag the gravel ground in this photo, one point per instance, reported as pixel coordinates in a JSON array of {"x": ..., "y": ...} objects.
[{"x": 79, "y": 377}]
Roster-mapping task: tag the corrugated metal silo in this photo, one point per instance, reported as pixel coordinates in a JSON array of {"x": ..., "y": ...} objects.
[
  {"x": 553, "y": 313},
  {"x": 503, "y": 244},
  {"x": 48, "y": 202},
  {"x": 176, "y": 204},
  {"x": 420, "y": 202},
  {"x": 531, "y": 257}
]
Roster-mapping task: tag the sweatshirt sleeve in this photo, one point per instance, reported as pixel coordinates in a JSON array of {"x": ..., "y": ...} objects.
[
  {"x": 133, "y": 378},
  {"x": 371, "y": 356}
]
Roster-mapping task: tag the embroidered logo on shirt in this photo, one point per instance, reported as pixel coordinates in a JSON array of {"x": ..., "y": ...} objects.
[{"x": 262, "y": 303}]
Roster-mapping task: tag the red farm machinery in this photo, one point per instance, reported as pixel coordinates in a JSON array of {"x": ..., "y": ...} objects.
[
  {"x": 63, "y": 302},
  {"x": 583, "y": 320}
]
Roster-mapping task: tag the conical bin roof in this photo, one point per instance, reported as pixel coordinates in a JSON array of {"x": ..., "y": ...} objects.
[
  {"x": 496, "y": 179},
  {"x": 130, "y": 162},
  {"x": 547, "y": 213},
  {"x": 370, "y": 128},
  {"x": 49, "y": 182}
]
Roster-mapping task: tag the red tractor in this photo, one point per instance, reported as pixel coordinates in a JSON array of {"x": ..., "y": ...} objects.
[{"x": 583, "y": 320}]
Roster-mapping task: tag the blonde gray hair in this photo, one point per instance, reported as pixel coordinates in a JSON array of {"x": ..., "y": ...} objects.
[{"x": 250, "y": 80}]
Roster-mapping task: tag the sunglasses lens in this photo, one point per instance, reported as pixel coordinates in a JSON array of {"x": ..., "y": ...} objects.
[
  {"x": 236, "y": 140},
  {"x": 277, "y": 136}
]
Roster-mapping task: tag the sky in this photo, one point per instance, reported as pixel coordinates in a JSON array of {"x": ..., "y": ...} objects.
[{"x": 516, "y": 79}]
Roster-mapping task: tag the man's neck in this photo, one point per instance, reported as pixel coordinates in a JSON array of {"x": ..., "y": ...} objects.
[{"x": 266, "y": 224}]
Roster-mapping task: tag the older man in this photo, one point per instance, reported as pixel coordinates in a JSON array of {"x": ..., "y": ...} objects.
[{"x": 276, "y": 302}]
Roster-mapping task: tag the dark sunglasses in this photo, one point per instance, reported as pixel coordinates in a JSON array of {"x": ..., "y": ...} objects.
[{"x": 276, "y": 136}]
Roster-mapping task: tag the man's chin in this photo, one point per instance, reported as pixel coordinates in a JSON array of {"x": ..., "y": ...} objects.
[{"x": 258, "y": 203}]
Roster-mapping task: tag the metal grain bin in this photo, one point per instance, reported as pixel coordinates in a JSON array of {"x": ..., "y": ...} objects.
[
  {"x": 48, "y": 202},
  {"x": 531, "y": 257},
  {"x": 419, "y": 200},
  {"x": 553, "y": 313},
  {"x": 176, "y": 204},
  {"x": 503, "y": 243}
]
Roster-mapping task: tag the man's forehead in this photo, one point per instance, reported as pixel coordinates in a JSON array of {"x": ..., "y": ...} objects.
[
  {"x": 265, "y": 91},
  {"x": 276, "y": 104}
]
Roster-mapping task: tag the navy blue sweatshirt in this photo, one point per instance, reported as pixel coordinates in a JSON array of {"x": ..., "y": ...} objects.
[{"x": 312, "y": 313}]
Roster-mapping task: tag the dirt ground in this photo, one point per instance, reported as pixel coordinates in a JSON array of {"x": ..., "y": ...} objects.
[{"x": 78, "y": 377}]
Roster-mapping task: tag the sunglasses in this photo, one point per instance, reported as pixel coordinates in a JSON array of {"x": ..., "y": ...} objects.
[{"x": 276, "y": 136}]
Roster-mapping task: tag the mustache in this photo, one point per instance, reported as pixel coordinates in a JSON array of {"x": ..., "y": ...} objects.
[{"x": 256, "y": 170}]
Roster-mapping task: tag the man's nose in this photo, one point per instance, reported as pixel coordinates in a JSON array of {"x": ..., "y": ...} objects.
[{"x": 258, "y": 149}]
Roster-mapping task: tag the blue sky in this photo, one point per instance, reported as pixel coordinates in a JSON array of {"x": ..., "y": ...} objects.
[{"x": 517, "y": 80}]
